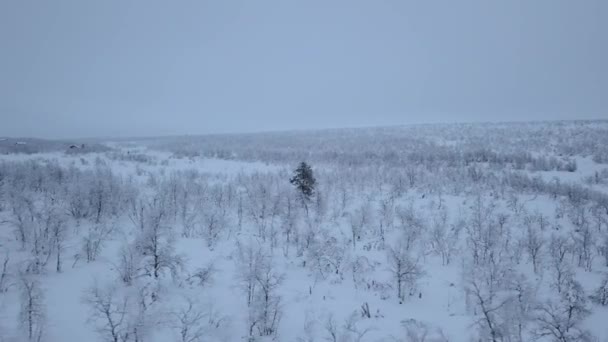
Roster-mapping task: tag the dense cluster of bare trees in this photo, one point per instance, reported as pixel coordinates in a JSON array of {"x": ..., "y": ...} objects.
[{"x": 468, "y": 209}]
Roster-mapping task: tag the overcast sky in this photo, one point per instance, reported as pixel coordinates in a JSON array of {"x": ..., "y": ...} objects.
[{"x": 139, "y": 68}]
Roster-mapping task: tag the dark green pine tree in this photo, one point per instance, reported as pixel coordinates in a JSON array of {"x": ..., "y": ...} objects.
[{"x": 304, "y": 181}]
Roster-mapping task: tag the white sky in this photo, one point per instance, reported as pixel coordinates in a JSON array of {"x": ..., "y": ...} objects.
[{"x": 139, "y": 68}]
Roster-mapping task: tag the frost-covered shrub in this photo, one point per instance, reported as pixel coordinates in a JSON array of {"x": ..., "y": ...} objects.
[{"x": 600, "y": 296}]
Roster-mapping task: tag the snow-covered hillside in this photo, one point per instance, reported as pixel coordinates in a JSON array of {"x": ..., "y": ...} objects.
[{"x": 476, "y": 232}]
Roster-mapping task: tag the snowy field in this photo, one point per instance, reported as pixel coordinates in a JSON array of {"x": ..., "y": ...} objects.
[{"x": 462, "y": 232}]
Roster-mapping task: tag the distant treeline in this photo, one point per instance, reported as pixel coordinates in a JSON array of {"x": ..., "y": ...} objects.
[
  {"x": 31, "y": 146},
  {"x": 542, "y": 146}
]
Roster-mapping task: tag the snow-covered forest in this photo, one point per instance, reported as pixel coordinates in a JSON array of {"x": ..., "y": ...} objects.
[{"x": 452, "y": 232}]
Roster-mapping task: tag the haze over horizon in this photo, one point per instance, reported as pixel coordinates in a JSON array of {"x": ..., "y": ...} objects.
[{"x": 148, "y": 68}]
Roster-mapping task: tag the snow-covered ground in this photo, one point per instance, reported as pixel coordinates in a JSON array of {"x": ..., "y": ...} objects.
[{"x": 482, "y": 250}]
